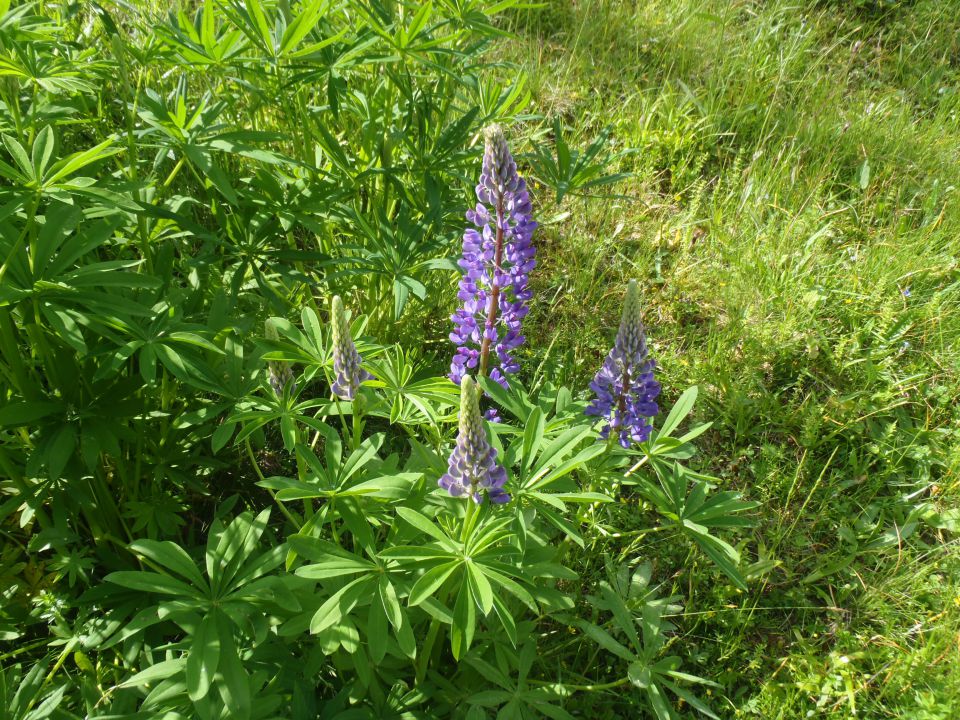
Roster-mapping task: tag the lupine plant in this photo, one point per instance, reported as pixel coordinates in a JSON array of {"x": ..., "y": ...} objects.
[
  {"x": 473, "y": 470},
  {"x": 625, "y": 389},
  {"x": 203, "y": 519},
  {"x": 347, "y": 371},
  {"x": 497, "y": 256}
]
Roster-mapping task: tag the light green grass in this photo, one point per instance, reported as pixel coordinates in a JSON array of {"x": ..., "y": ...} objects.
[{"x": 794, "y": 181}]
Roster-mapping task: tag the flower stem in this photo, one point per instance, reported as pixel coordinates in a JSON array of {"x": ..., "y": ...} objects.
[
  {"x": 468, "y": 520},
  {"x": 427, "y": 650},
  {"x": 256, "y": 466},
  {"x": 637, "y": 466},
  {"x": 622, "y": 400},
  {"x": 494, "y": 293}
]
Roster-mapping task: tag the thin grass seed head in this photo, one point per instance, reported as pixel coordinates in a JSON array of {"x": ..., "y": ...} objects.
[
  {"x": 472, "y": 467},
  {"x": 346, "y": 360},
  {"x": 497, "y": 257},
  {"x": 625, "y": 388}
]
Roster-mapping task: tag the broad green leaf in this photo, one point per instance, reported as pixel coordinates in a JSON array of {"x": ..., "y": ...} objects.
[
  {"x": 423, "y": 524},
  {"x": 25, "y": 413},
  {"x": 480, "y": 587},
  {"x": 606, "y": 641},
  {"x": 334, "y": 566},
  {"x": 679, "y": 411},
  {"x": 464, "y": 622},
  {"x": 532, "y": 437},
  {"x": 153, "y": 583},
  {"x": 390, "y": 602},
  {"x": 340, "y": 604},
  {"x": 172, "y": 557},
  {"x": 428, "y": 583},
  {"x": 231, "y": 681},
  {"x": 721, "y": 552},
  {"x": 203, "y": 657},
  {"x": 376, "y": 632},
  {"x": 156, "y": 672}
]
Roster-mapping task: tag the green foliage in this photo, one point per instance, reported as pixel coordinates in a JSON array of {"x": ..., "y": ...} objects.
[
  {"x": 174, "y": 180},
  {"x": 194, "y": 526}
]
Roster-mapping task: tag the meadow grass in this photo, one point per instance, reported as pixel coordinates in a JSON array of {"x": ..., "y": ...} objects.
[
  {"x": 782, "y": 184},
  {"x": 793, "y": 215}
]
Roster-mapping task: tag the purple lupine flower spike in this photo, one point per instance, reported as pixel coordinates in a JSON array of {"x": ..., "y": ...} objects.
[
  {"x": 473, "y": 466},
  {"x": 497, "y": 257},
  {"x": 625, "y": 388},
  {"x": 279, "y": 372},
  {"x": 346, "y": 359}
]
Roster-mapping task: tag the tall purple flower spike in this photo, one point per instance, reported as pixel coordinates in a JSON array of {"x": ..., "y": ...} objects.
[
  {"x": 346, "y": 359},
  {"x": 497, "y": 257},
  {"x": 625, "y": 388},
  {"x": 473, "y": 465}
]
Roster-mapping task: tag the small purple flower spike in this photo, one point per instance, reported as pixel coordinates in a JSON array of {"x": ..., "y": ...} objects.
[
  {"x": 473, "y": 465},
  {"x": 346, "y": 359},
  {"x": 279, "y": 372},
  {"x": 625, "y": 388},
  {"x": 497, "y": 257}
]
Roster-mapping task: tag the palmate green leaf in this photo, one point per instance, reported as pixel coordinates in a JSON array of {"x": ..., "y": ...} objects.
[
  {"x": 228, "y": 548},
  {"x": 680, "y": 410},
  {"x": 606, "y": 641},
  {"x": 688, "y": 697},
  {"x": 74, "y": 162},
  {"x": 431, "y": 581},
  {"x": 464, "y": 622},
  {"x": 203, "y": 657},
  {"x": 480, "y": 587},
  {"x": 21, "y": 413},
  {"x": 545, "y": 476},
  {"x": 170, "y": 556},
  {"x": 156, "y": 672},
  {"x": 721, "y": 552},
  {"x": 532, "y": 437},
  {"x": 335, "y": 566},
  {"x": 376, "y": 632},
  {"x": 694, "y": 514},
  {"x": 424, "y": 525},
  {"x": 231, "y": 679},
  {"x": 341, "y": 603},
  {"x": 153, "y": 583},
  {"x": 390, "y": 601}
]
